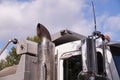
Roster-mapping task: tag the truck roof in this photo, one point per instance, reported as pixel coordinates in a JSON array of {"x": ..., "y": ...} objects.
[
  {"x": 115, "y": 44},
  {"x": 65, "y": 36}
]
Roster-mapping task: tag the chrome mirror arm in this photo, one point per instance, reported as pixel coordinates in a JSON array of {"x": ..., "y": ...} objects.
[{"x": 14, "y": 42}]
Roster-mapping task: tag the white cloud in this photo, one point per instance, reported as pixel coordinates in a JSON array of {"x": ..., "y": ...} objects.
[
  {"x": 113, "y": 23},
  {"x": 19, "y": 19},
  {"x": 109, "y": 25}
]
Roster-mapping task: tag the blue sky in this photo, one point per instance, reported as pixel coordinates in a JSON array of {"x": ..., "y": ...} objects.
[
  {"x": 110, "y": 6},
  {"x": 18, "y": 18},
  {"x": 19, "y": 10}
]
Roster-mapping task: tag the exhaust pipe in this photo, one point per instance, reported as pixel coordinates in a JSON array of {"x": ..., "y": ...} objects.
[
  {"x": 91, "y": 56},
  {"x": 45, "y": 54}
]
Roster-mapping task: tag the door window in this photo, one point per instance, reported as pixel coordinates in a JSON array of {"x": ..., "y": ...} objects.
[{"x": 72, "y": 67}]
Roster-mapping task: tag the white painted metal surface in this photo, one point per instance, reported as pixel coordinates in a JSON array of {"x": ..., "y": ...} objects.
[{"x": 71, "y": 49}]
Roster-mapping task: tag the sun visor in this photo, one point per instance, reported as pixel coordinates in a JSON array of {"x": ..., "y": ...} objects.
[{"x": 65, "y": 36}]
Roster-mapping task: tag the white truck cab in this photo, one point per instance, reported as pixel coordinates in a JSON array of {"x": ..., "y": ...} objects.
[
  {"x": 71, "y": 58},
  {"x": 65, "y": 56}
]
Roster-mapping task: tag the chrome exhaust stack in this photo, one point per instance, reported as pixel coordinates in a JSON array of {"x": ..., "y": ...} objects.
[
  {"x": 45, "y": 54},
  {"x": 91, "y": 70}
]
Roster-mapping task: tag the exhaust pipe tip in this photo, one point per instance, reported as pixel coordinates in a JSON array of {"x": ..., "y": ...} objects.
[{"x": 42, "y": 32}]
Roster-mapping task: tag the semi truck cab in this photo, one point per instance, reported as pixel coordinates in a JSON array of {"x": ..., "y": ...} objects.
[
  {"x": 70, "y": 52},
  {"x": 65, "y": 56}
]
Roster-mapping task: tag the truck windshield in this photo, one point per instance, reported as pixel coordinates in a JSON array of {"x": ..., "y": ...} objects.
[
  {"x": 116, "y": 56},
  {"x": 72, "y": 67}
]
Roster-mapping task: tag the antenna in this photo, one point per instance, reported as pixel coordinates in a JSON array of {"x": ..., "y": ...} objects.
[
  {"x": 97, "y": 33},
  {"x": 94, "y": 15}
]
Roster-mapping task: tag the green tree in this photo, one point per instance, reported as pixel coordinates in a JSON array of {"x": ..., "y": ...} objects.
[
  {"x": 13, "y": 58},
  {"x": 10, "y": 60},
  {"x": 2, "y": 64},
  {"x": 34, "y": 39}
]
